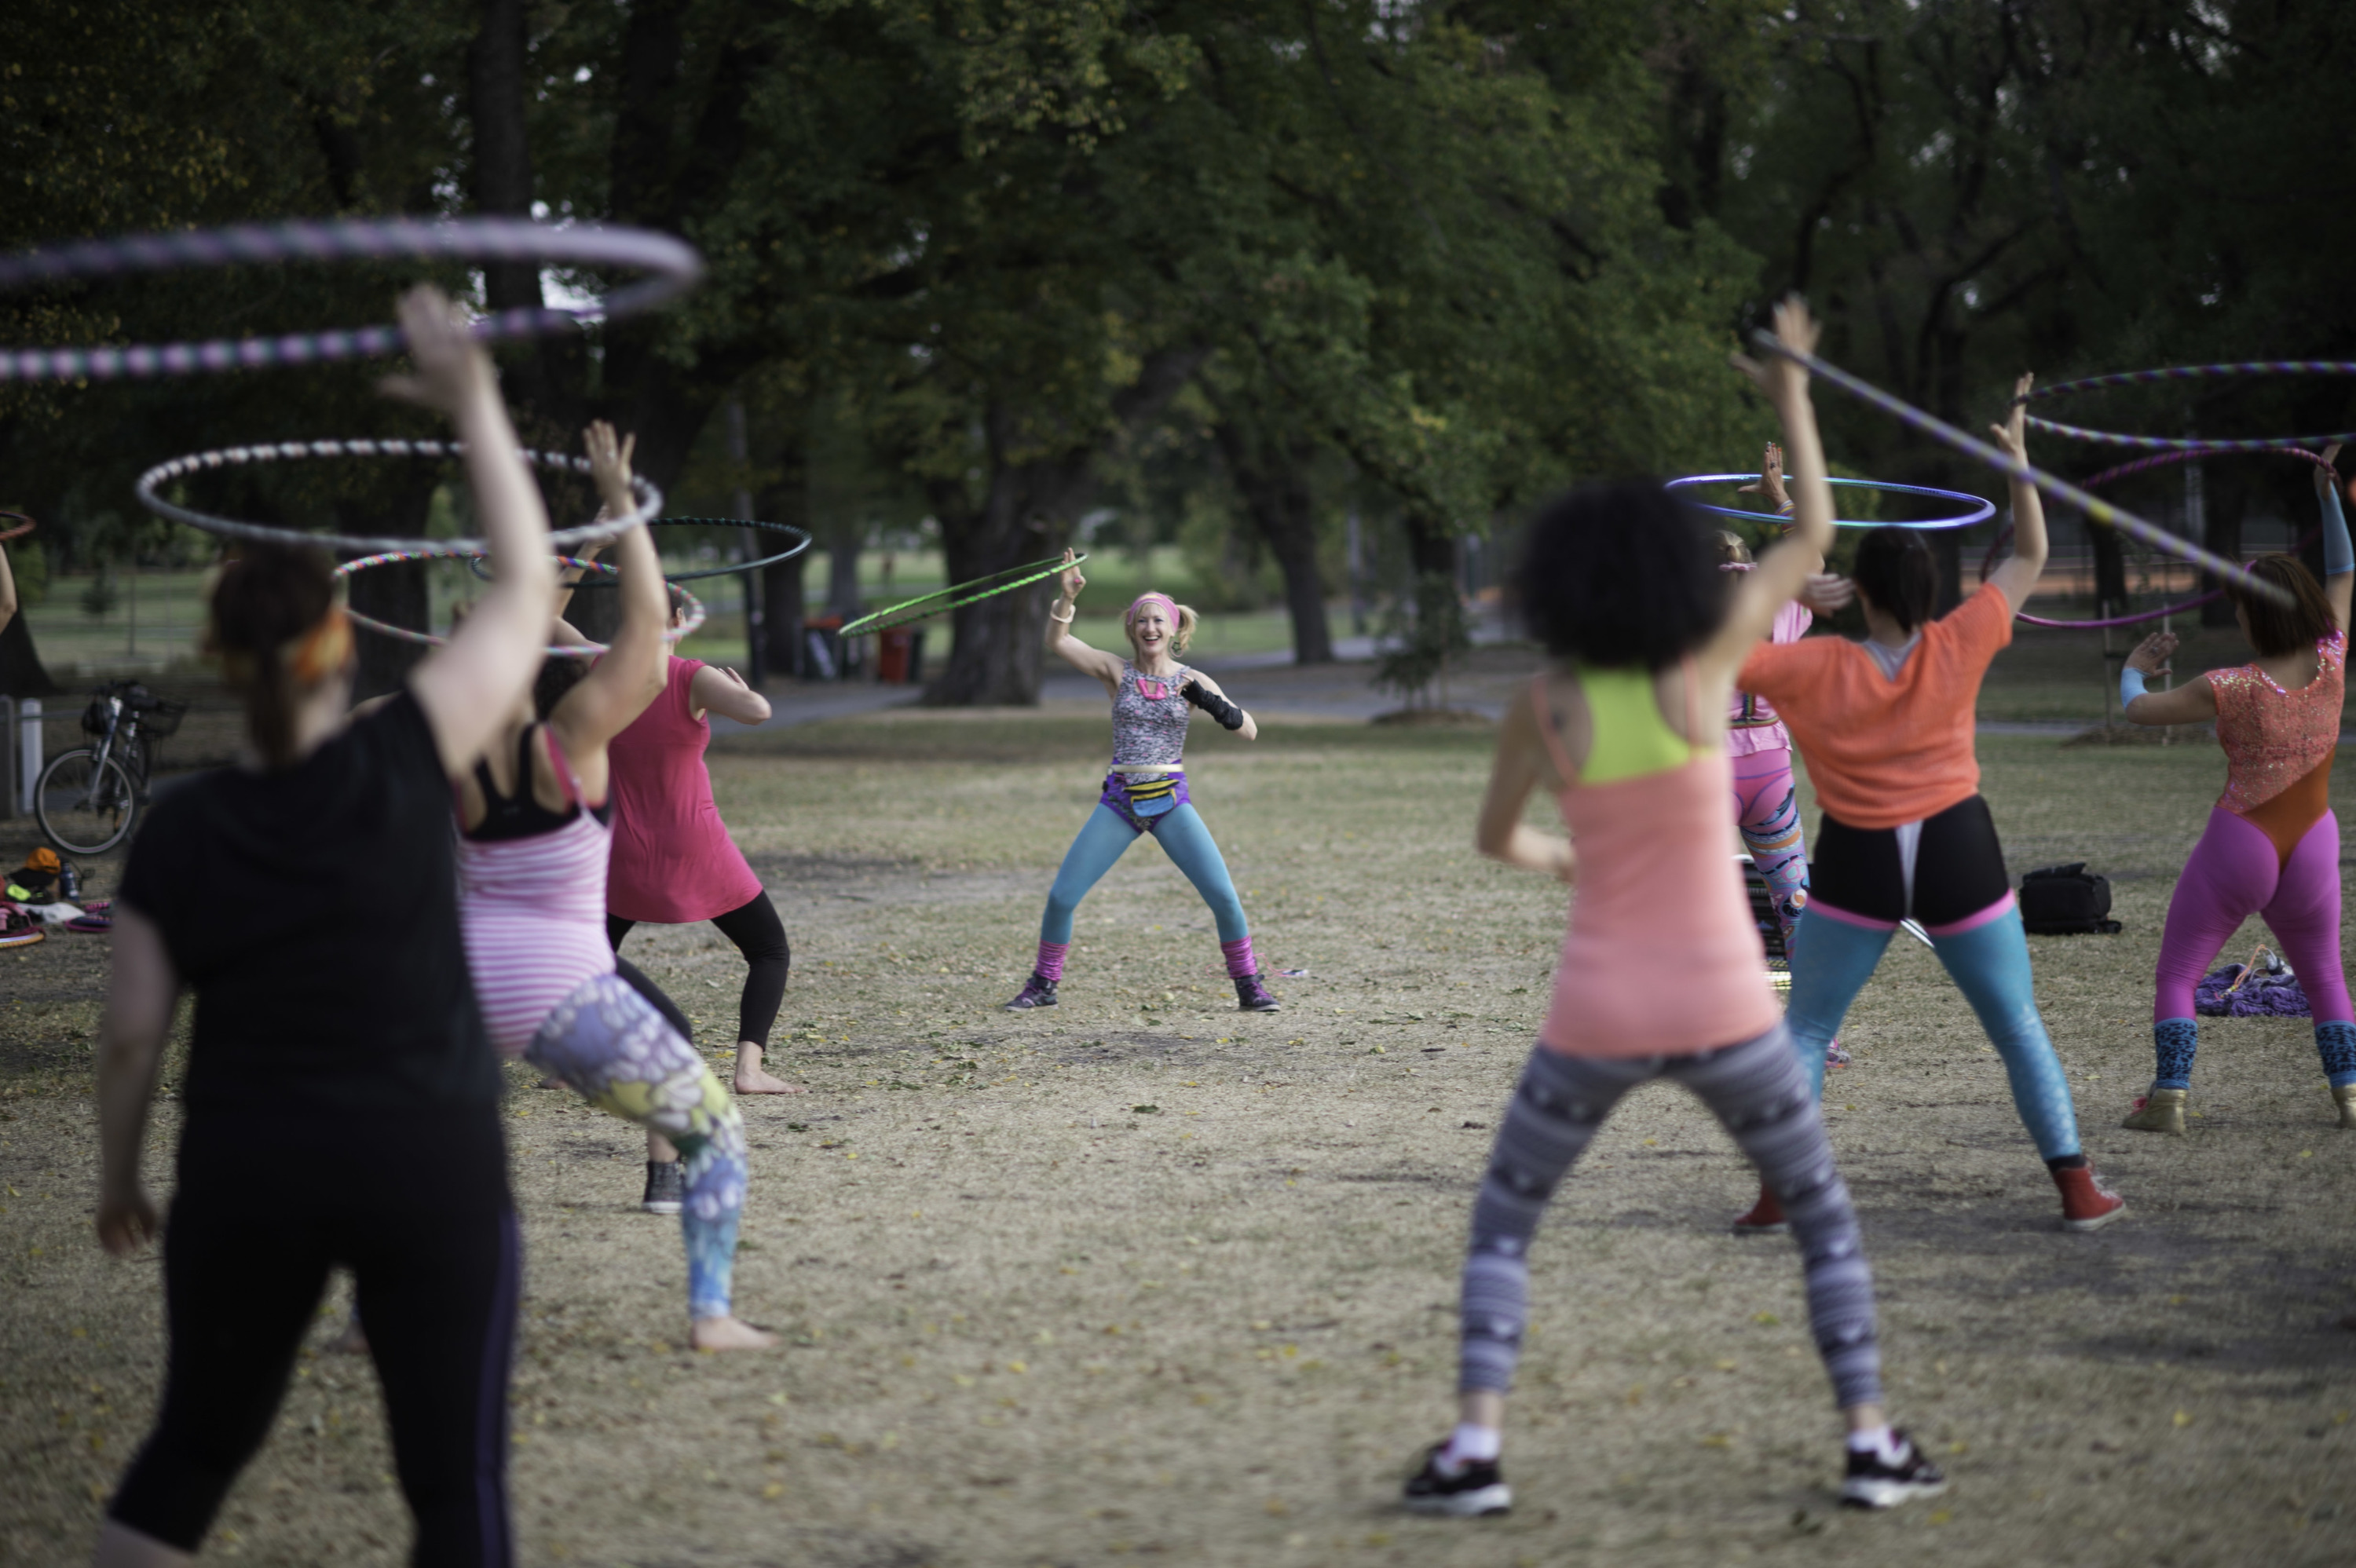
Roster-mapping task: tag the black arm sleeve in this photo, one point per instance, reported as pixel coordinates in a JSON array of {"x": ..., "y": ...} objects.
[{"x": 1229, "y": 716}]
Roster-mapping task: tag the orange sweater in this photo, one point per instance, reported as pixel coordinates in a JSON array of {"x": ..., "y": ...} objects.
[{"x": 1881, "y": 751}]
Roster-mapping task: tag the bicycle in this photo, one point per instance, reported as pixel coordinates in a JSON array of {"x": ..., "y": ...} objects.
[{"x": 88, "y": 799}]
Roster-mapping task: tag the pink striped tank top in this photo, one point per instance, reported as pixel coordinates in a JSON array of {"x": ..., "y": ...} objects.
[
  {"x": 1663, "y": 957},
  {"x": 533, "y": 913}
]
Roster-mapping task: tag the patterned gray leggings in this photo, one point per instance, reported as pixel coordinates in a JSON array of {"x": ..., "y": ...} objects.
[{"x": 1757, "y": 1090}]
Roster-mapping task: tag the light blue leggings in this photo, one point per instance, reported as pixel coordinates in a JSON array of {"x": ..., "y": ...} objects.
[
  {"x": 1105, "y": 838},
  {"x": 1989, "y": 963}
]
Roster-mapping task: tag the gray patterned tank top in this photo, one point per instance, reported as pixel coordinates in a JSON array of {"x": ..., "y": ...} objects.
[{"x": 1149, "y": 718}]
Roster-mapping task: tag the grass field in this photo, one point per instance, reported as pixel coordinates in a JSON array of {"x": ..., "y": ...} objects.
[{"x": 1144, "y": 1278}]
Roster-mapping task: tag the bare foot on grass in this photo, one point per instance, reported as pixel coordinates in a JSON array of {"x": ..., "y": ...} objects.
[
  {"x": 752, "y": 1079},
  {"x": 729, "y": 1334}
]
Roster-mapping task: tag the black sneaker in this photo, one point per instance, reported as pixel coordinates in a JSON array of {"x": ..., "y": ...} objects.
[
  {"x": 1252, "y": 996},
  {"x": 1476, "y": 1491},
  {"x": 666, "y": 1187},
  {"x": 1873, "y": 1484},
  {"x": 1038, "y": 991}
]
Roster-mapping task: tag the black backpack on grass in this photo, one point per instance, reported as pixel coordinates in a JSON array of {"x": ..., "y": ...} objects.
[{"x": 2066, "y": 901}]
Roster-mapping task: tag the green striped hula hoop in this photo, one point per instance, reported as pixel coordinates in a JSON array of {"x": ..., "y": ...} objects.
[{"x": 958, "y": 595}]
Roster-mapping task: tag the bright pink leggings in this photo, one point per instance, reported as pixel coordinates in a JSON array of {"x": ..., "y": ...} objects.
[{"x": 2234, "y": 874}]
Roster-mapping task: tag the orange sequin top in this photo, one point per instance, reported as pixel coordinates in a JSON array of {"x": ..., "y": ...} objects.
[{"x": 2278, "y": 744}]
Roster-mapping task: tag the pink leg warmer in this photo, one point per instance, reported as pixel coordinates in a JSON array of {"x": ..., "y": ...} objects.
[
  {"x": 2230, "y": 876},
  {"x": 1051, "y": 960},
  {"x": 1239, "y": 957},
  {"x": 2303, "y": 915}
]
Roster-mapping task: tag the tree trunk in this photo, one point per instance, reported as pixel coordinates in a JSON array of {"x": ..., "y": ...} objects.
[
  {"x": 787, "y": 501},
  {"x": 1275, "y": 490},
  {"x": 995, "y": 645},
  {"x": 2110, "y": 570}
]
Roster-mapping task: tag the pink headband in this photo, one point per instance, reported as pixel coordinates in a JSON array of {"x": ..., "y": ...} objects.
[
  {"x": 1130, "y": 619},
  {"x": 1736, "y": 565}
]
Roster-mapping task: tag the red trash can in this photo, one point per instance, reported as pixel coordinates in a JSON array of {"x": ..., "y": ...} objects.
[{"x": 892, "y": 656}]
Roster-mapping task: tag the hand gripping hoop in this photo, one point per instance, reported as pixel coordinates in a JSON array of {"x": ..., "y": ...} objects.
[
  {"x": 2109, "y": 475},
  {"x": 649, "y": 499},
  {"x": 1980, "y": 509},
  {"x": 958, "y": 595},
  {"x": 2196, "y": 446},
  {"x": 2095, "y": 506},
  {"x": 675, "y": 264},
  {"x": 694, "y": 606}
]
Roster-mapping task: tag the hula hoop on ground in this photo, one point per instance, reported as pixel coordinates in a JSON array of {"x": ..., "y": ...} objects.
[
  {"x": 675, "y": 264},
  {"x": 603, "y": 577},
  {"x": 2194, "y": 446},
  {"x": 672, "y": 634},
  {"x": 2095, "y": 506},
  {"x": 1981, "y": 509},
  {"x": 2109, "y": 475},
  {"x": 649, "y": 499},
  {"x": 957, "y": 596},
  {"x": 24, "y": 525}
]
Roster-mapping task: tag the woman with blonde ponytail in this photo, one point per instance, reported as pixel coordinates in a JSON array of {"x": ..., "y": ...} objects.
[{"x": 307, "y": 898}]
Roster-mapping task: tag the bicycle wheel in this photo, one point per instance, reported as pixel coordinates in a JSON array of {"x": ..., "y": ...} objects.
[{"x": 83, "y": 808}]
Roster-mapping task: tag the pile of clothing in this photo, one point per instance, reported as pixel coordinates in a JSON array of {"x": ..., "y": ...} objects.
[
  {"x": 41, "y": 894},
  {"x": 2264, "y": 987}
]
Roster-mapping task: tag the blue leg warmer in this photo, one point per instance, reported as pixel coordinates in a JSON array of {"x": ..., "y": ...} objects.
[
  {"x": 1831, "y": 961},
  {"x": 1989, "y": 963},
  {"x": 1103, "y": 839},
  {"x": 2336, "y": 1043},
  {"x": 1185, "y": 838},
  {"x": 2173, "y": 1041}
]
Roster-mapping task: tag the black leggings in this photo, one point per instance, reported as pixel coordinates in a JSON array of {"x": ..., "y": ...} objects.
[
  {"x": 760, "y": 936},
  {"x": 267, "y": 1204}
]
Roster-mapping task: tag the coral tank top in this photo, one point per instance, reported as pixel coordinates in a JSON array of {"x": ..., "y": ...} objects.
[
  {"x": 673, "y": 862},
  {"x": 1663, "y": 957}
]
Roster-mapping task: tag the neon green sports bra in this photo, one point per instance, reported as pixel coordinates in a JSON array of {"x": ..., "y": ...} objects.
[{"x": 1628, "y": 736}]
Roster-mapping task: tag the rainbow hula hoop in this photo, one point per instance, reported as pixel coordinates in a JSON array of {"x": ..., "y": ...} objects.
[
  {"x": 24, "y": 525},
  {"x": 603, "y": 575},
  {"x": 1981, "y": 510},
  {"x": 2109, "y": 475},
  {"x": 675, "y": 264},
  {"x": 672, "y": 634},
  {"x": 2061, "y": 489},
  {"x": 957, "y": 596},
  {"x": 649, "y": 499},
  {"x": 2194, "y": 446}
]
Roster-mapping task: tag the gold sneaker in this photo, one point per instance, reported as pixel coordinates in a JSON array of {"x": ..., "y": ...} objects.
[
  {"x": 2346, "y": 1094},
  {"x": 2162, "y": 1111}
]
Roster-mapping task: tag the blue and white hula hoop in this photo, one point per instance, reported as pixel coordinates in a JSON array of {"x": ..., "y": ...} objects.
[{"x": 1976, "y": 508}]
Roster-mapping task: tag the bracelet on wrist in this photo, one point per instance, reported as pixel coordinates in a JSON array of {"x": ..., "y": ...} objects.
[{"x": 1062, "y": 620}]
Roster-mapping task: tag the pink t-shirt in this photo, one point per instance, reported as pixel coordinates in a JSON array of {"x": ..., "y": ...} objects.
[
  {"x": 673, "y": 862},
  {"x": 1750, "y": 722}
]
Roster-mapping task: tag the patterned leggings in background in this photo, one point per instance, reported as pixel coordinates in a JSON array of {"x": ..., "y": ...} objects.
[
  {"x": 1767, "y": 810},
  {"x": 1757, "y": 1091},
  {"x": 614, "y": 1049}
]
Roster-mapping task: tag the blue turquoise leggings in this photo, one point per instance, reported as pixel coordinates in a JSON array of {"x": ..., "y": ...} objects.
[
  {"x": 1105, "y": 837},
  {"x": 1988, "y": 962}
]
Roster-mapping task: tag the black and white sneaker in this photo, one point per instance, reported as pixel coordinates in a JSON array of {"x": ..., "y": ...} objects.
[
  {"x": 1874, "y": 1483},
  {"x": 1475, "y": 1491},
  {"x": 666, "y": 1187}
]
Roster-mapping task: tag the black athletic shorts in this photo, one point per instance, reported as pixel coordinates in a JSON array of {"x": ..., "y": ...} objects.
[{"x": 1957, "y": 871}]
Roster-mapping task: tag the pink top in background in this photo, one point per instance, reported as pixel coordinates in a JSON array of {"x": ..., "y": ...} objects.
[
  {"x": 1750, "y": 721},
  {"x": 673, "y": 862},
  {"x": 1663, "y": 957}
]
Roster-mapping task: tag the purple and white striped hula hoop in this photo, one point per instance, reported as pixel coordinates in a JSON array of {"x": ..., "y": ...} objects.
[
  {"x": 2193, "y": 445},
  {"x": 696, "y": 613},
  {"x": 675, "y": 265},
  {"x": 650, "y": 500},
  {"x": 2159, "y": 460},
  {"x": 2061, "y": 489}
]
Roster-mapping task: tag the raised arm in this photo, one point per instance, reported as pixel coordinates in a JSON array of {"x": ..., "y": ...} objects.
[
  {"x": 140, "y": 995},
  {"x": 8, "y": 592},
  {"x": 2191, "y": 703},
  {"x": 469, "y": 685},
  {"x": 722, "y": 691},
  {"x": 2017, "y": 576},
  {"x": 2339, "y": 557},
  {"x": 619, "y": 686},
  {"x": 1104, "y": 666},
  {"x": 1785, "y": 567}
]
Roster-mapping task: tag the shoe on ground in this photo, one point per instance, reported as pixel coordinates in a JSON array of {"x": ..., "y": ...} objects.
[
  {"x": 1038, "y": 991},
  {"x": 1836, "y": 1054},
  {"x": 1252, "y": 996},
  {"x": 666, "y": 1187},
  {"x": 2344, "y": 1095},
  {"x": 1765, "y": 1218},
  {"x": 2086, "y": 1203},
  {"x": 1874, "y": 1483},
  {"x": 2162, "y": 1111},
  {"x": 1476, "y": 1491}
]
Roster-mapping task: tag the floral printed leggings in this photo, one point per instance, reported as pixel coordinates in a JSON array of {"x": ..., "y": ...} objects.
[{"x": 610, "y": 1045}]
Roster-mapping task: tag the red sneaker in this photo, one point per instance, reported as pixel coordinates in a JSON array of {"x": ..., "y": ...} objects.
[
  {"x": 2086, "y": 1203},
  {"x": 1765, "y": 1218}
]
